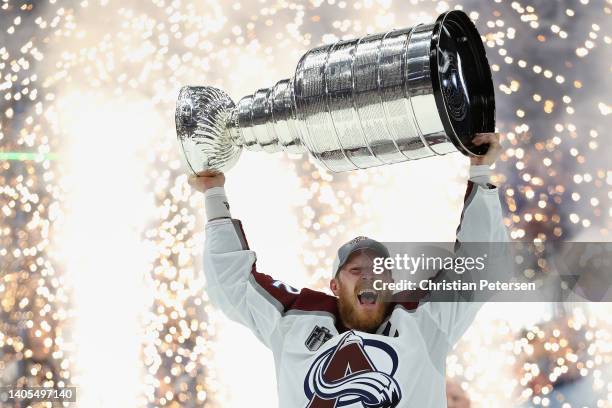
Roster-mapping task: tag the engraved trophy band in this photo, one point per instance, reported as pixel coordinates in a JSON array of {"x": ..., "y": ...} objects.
[{"x": 383, "y": 98}]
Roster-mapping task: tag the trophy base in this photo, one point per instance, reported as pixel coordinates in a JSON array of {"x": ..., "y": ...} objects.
[{"x": 202, "y": 114}]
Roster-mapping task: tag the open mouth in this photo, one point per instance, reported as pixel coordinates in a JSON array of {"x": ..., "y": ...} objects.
[{"x": 367, "y": 296}]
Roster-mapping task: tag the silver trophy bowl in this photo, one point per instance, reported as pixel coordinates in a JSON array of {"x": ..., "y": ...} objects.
[{"x": 384, "y": 98}]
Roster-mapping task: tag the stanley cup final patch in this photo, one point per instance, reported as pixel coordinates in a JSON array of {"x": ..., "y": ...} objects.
[{"x": 317, "y": 337}]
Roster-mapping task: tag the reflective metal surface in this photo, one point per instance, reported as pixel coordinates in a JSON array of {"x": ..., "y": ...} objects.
[{"x": 380, "y": 99}]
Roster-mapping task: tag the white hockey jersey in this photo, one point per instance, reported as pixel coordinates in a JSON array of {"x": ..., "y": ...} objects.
[{"x": 319, "y": 362}]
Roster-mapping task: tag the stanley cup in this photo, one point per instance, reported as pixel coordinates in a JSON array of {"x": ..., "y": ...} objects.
[{"x": 380, "y": 99}]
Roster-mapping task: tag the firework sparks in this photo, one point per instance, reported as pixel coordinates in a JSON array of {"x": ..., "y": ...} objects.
[{"x": 87, "y": 94}]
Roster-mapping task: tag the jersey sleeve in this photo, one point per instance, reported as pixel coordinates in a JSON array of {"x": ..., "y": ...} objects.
[
  {"x": 481, "y": 222},
  {"x": 234, "y": 285}
]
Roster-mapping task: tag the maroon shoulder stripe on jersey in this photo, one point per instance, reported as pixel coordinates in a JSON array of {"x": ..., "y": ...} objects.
[
  {"x": 408, "y": 299},
  {"x": 278, "y": 292},
  {"x": 311, "y": 300},
  {"x": 306, "y": 300},
  {"x": 241, "y": 235},
  {"x": 468, "y": 190}
]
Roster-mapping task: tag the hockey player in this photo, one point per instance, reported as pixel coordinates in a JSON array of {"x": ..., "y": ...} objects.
[{"x": 360, "y": 347}]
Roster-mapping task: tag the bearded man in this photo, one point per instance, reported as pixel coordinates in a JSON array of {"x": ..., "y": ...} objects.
[{"x": 361, "y": 347}]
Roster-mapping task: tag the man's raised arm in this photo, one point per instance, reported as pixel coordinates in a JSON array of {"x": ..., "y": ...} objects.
[
  {"x": 481, "y": 221},
  {"x": 232, "y": 281},
  {"x": 481, "y": 218}
]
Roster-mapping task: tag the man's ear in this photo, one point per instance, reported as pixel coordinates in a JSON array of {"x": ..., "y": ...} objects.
[{"x": 333, "y": 285}]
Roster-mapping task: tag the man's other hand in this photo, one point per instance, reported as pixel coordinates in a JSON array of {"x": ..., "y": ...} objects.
[
  {"x": 491, "y": 139},
  {"x": 206, "y": 180}
]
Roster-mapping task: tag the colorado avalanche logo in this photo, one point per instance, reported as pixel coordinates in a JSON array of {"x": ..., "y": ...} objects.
[{"x": 346, "y": 376}]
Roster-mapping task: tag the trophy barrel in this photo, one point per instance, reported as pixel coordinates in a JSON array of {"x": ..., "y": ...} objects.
[{"x": 396, "y": 96}]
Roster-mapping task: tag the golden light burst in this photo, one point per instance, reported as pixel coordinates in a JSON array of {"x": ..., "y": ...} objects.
[{"x": 89, "y": 167}]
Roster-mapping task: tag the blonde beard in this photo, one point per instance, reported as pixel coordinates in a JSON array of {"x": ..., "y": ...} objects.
[{"x": 354, "y": 318}]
